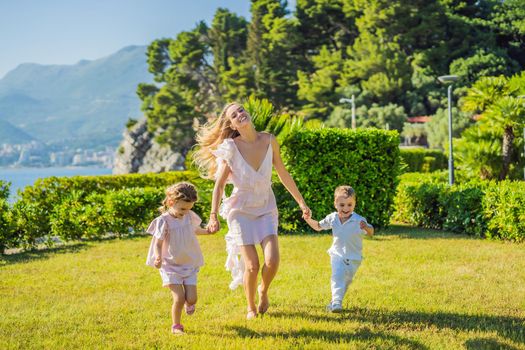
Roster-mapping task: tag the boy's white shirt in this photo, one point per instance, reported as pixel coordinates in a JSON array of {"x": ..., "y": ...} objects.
[{"x": 347, "y": 237}]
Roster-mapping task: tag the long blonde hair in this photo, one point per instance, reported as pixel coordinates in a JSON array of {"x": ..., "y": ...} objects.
[
  {"x": 182, "y": 191},
  {"x": 209, "y": 137}
]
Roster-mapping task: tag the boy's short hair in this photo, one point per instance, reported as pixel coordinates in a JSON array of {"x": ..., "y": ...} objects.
[{"x": 344, "y": 190}]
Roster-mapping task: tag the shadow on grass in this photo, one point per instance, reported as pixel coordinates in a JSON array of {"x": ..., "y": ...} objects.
[
  {"x": 487, "y": 344},
  {"x": 507, "y": 327},
  {"x": 410, "y": 232},
  {"x": 39, "y": 254},
  {"x": 308, "y": 335}
]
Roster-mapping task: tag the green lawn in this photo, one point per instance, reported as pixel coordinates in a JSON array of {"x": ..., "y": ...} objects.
[{"x": 416, "y": 289}]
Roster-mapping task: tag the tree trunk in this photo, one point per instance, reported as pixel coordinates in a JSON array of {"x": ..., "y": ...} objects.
[{"x": 506, "y": 151}]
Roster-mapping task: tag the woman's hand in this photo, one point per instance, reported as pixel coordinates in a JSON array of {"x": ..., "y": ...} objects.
[
  {"x": 213, "y": 225},
  {"x": 307, "y": 213},
  {"x": 158, "y": 262}
]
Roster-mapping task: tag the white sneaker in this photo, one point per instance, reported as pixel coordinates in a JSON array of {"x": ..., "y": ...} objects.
[{"x": 334, "y": 308}]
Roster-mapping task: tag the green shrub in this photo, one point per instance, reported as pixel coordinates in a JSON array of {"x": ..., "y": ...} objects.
[
  {"x": 504, "y": 210},
  {"x": 423, "y": 160},
  {"x": 29, "y": 224},
  {"x": 5, "y": 227},
  {"x": 476, "y": 207},
  {"x": 77, "y": 207},
  {"x": 131, "y": 209},
  {"x": 419, "y": 204},
  {"x": 79, "y": 216},
  {"x": 463, "y": 209},
  {"x": 121, "y": 212},
  {"x": 7, "y": 234},
  {"x": 321, "y": 160}
]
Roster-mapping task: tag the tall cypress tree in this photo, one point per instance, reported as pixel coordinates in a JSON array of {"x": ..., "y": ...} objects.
[{"x": 272, "y": 38}]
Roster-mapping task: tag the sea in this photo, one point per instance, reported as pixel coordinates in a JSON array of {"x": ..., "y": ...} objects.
[{"x": 22, "y": 177}]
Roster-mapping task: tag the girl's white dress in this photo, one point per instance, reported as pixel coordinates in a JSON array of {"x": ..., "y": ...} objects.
[
  {"x": 251, "y": 210},
  {"x": 181, "y": 253}
]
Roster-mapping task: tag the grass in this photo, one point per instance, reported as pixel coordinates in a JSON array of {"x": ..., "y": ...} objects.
[{"x": 416, "y": 289}]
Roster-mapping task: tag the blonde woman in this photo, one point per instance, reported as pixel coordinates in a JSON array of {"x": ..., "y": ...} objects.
[{"x": 232, "y": 151}]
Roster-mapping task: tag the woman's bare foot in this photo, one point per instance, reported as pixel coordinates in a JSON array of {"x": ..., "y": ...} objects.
[
  {"x": 264, "y": 302},
  {"x": 252, "y": 314}
]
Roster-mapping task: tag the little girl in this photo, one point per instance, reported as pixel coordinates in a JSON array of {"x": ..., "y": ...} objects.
[{"x": 175, "y": 251}]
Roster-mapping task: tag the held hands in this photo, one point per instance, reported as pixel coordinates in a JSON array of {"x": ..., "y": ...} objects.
[
  {"x": 209, "y": 231},
  {"x": 213, "y": 225},
  {"x": 158, "y": 262},
  {"x": 307, "y": 216},
  {"x": 307, "y": 213},
  {"x": 367, "y": 228}
]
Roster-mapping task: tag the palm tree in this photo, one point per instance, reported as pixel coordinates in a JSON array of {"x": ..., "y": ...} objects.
[
  {"x": 506, "y": 113},
  {"x": 280, "y": 124},
  {"x": 498, "y": 100}
]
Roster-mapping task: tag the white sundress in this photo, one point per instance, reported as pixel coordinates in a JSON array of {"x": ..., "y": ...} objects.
[
  {"x": 181, "y": 253},
  {"x": 251, "y": 210}
]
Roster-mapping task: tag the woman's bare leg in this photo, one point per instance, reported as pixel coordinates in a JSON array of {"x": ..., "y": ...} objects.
[
  {"x": 251, "y": 269},
  {"x": 270, "y": 246}
]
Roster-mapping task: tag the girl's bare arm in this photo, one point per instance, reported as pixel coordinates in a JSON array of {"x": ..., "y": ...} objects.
[{"x": 202, "y": 231}]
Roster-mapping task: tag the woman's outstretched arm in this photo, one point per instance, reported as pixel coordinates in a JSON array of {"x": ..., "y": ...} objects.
[
  {"x": 285, "y": 176},
  {"x": 222, "y": 175}
]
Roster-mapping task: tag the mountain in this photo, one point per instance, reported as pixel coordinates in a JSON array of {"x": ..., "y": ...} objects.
[
  {"x": 84, "y": 104},
  {"x": 13, "y": 135}
]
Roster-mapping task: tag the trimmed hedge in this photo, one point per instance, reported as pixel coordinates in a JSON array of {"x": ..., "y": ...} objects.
[
  {"x": 418, "y": 204},
  {"x": 480, "y": 208},
  {"x": 504, "y": 210},
  {"x": 117, "y": 211},
  {"x": 423, "y": 160},
  {"x": 320, "y": 160},
  {"x": 5, "y": 222},
  {"x": 90, "y": 206}
]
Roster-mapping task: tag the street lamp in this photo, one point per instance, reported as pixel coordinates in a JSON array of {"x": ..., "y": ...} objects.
[
  {"x": 352, "y": 101},
  {"x": 449, "y": 80}
]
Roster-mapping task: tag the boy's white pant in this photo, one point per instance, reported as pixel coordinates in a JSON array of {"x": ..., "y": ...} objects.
[{"x": 343, "y": 271}]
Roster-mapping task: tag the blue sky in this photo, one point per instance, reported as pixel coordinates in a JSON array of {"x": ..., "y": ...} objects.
[{"x": 66, "y": 31}]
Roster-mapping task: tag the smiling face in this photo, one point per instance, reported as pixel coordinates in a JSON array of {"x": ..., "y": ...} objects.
[
  {"x": 345, "y": 206},
  {"x": 180, "y": 208},
  {"x": 238, "y": 116}
]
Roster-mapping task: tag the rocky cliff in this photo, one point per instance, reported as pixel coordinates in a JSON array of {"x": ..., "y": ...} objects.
[{"x": 140, "y": 153}]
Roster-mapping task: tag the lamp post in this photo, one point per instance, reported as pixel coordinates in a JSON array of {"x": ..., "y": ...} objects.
[
  {"x": 352, "y": 101},
  {"x": 449, "y": 80}
]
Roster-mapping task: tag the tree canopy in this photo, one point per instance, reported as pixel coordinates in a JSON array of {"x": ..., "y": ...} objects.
[{"x": 388, "y": 53}]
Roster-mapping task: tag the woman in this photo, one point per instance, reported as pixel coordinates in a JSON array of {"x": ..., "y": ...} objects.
[{"x": 232, "y": 151}]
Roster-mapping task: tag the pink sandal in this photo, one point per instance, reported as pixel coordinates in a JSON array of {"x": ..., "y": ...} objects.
[
  {"x": 190, "y": 309},
  {"x": 177, "y": 329}
]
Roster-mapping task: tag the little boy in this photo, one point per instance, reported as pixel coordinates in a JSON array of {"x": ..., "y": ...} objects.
[{"x": 345, "y": 253}]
